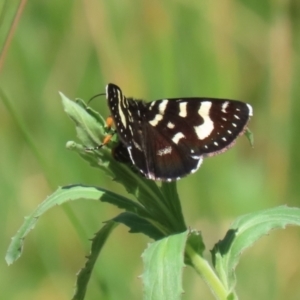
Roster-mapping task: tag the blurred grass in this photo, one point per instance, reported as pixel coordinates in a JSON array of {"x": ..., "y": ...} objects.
[{"x": 247, "y": 50}]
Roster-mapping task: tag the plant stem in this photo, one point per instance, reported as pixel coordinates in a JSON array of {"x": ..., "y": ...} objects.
[{"x": 208, "y": 275}]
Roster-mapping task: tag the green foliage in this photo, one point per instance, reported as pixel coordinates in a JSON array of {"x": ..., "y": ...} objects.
[
  {"x": 156, "y": 213},
  {"x": 163, "y": 263},
  {"x": 243, "y": 233},
  {"x": 84, "y": 274}
]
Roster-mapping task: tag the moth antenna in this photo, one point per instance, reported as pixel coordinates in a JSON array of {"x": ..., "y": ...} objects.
[{"x": 102, "y": 94}]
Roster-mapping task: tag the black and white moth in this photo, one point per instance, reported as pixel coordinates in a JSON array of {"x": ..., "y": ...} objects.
[{"x": 167, "y": 139}]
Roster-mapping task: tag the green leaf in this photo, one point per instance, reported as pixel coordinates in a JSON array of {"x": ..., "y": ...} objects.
[
  {"x": 139, "y": 225},
  {"x": 91, "y": 112},
  {"x": 249, "y": 135},
  {"x": 60, "y": 196},
  {"x": 243, "y": 233},
  {"x": 87, "y": 126},
  {"x": 163, "y": 263},
  {"x": 122, "y": 202},
  {"x": 84, "y": 274}
]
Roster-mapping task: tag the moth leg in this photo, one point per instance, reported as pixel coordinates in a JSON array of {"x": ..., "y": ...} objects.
[{"x": 109, "y": 124}]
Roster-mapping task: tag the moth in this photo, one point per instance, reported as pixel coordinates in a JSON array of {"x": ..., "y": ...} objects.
[{"x": 167, "y": 139}]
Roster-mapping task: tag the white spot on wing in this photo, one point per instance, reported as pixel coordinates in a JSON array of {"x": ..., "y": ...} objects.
[
  {"x": 162, "y": 106},
  {"x": 121, "y": 113},
  {"x": 130, "y": 154},
  {"x": 130, "y": 128},
  {"x": 157, "y": 118},
  {"x": 170, "y": 125},
  {"x": 164, "y": 151},
  {"x": 137, "y": 145},
  {"x": 224, "y": 106},
  {"x": 250, "y": 110},
  {"x": 151, "y": 176},
  {"x": 205, "y": 129},
  {"x": 152, "y": 103},
  {"x": 177, "y": 137},
  {"x": 182, "y": 109},
  {"x": 198, "y": 165}
]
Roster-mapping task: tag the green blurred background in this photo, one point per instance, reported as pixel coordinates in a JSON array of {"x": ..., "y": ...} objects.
[{"x": 242, "y": 49}]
